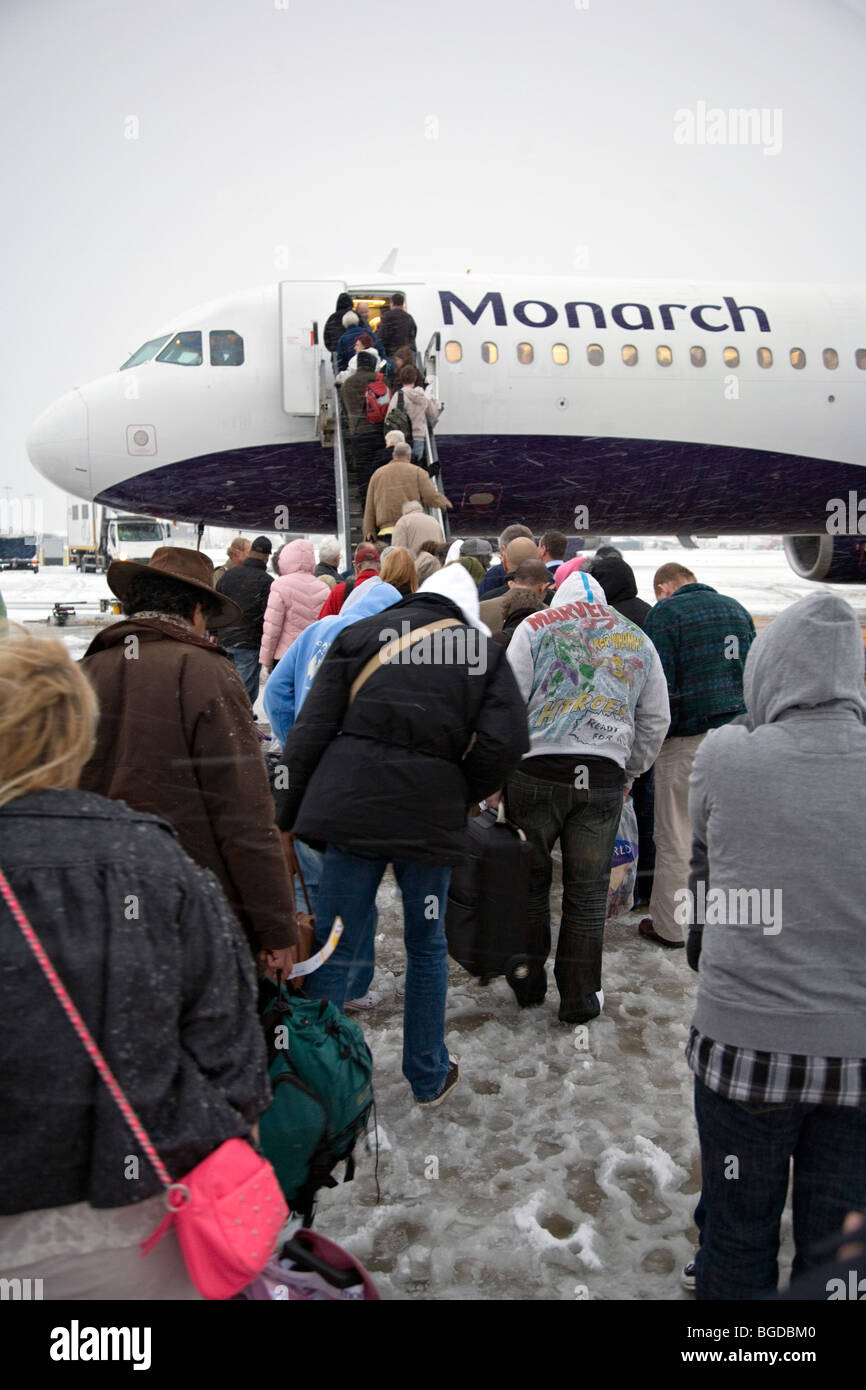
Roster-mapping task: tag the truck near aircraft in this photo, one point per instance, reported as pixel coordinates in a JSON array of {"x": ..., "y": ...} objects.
[{"x": 97, "y": 535}]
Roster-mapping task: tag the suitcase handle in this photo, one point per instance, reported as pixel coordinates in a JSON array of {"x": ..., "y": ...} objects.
[{"x": 502, "y": 819}]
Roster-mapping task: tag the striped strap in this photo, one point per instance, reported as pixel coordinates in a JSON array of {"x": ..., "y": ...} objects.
[{"x": 83, "y": 1031}]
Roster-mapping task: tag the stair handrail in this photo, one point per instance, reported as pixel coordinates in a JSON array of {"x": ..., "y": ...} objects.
[{"x": 341, "y": 480}]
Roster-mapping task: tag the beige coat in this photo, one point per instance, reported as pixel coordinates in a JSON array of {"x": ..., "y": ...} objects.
[
  {"x": 392, "y": 485},
  {"x": 414, "y": 528}
]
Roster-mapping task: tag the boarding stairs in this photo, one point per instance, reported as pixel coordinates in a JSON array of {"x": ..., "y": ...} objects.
[{"x": 333, "y": 436}]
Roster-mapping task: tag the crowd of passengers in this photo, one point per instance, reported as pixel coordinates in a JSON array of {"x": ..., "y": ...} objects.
[{"x": 139, "y": 831}]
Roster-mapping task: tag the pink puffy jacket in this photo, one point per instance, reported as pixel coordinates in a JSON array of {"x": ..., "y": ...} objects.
[{"x": 294, "y": 601}]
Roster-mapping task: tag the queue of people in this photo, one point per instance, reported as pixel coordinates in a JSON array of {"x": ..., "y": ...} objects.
[{"x": 401, "y": 699}]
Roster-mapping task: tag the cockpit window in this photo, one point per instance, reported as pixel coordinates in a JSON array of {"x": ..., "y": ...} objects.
[
  {"x": 226, "y": 348},
  {"x": 146, "y": 352},
  {"x": 184, "y": 350}
]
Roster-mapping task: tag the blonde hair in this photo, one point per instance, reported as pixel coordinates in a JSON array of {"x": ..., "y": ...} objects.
[
  {"x": 48, "y": 715},
  {"x": 239, "y": 543},
  {"x": 398, "y": 568}
]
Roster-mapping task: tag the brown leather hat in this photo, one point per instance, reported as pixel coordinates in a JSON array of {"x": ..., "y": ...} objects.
[{"x": 188, "y": 567}]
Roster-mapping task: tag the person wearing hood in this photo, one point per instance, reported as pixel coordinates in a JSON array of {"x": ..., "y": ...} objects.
[
  {"x": 429, "y": 720},
  {"x": 176, "y": 736},
  {"x": 598, "y": 714},
  {"x": 775, "y": 911},
  {"x": 294, "y": 601},
  {"x": 616, "y": 577},
  {"x": 284, "y": 695},
  {"x": 334, "y": 324}
]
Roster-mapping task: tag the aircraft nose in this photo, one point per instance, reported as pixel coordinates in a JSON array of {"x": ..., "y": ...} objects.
[{"x": 58, "y": 443}]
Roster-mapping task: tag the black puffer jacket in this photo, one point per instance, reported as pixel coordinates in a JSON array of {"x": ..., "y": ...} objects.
[
  {"x": 395, "y": 783},
  {"x": 249, "y": 585},
  {"x": 617, "y": 579},
  {"x": 155, "y": 961}
]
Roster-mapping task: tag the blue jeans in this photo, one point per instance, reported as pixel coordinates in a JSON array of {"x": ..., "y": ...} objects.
[
  {"x": 585, "y": 823},
  {"x": 361, "y": 974},
  {"x": 348, "y": 887},
  {"x": 738, "y": 1216},
  {"x": 246, "y": 659},
  {"x": 418, "y": 450}
]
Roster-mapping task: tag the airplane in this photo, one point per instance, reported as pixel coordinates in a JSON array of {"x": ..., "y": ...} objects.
[{"x": 646, "y": 408}]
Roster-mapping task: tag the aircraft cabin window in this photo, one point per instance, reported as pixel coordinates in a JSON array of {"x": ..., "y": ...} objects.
[
  {"x": 798, "y": 358},
  {"x": 184, "y": 350},
  {"x": 860, "y": 358},
  {"x": 731, "y": 356},
  {"x": 629, "y": 355},
  {"x": 765, "y": 357},
  {"x": 698, "y": 356},
  {"x": 664, "y": 356},
  {"x": 489, "y": 352},
  {"x": 74, "y": 513},
  {"x": 560, "y": 354},
  {"x": 831, "y": 359},
  {"x": 85, "y": 512},
  {"x": 226, "y": 348},
  {"x": 524, "y": 353},
  {"x": 595, "y": 354},
  {"x": 453, "y": 351},
  {"x": 146, "y": 352}
]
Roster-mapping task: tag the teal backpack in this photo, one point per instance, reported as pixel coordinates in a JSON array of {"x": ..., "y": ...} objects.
[{"x": 321, "y": 1072}]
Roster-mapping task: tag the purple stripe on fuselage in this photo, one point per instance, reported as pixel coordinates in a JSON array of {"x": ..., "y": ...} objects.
[{"x": 648, "y": 487}]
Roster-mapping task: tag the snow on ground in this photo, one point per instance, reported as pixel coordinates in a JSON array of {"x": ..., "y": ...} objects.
[{"x": 555, "y": 1170}]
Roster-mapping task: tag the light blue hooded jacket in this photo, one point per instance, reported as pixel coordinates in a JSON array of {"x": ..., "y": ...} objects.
[{"x": 290, "y": 681}]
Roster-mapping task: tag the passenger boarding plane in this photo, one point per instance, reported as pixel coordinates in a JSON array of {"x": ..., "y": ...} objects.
[{"x": 648, "y": 408}]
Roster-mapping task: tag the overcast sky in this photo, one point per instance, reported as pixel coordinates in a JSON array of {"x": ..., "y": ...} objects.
[{"x": 484, "y": 133}]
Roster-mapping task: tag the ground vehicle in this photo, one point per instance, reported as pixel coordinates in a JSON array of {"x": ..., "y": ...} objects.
[
  {"x": 98, "y": 535},
  {"x": 19, "y": 553}
]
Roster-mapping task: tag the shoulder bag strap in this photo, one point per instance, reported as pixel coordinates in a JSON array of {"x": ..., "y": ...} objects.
[
  {"x": 83, "y": 1031},
  {"x": 387, "y": 653}
]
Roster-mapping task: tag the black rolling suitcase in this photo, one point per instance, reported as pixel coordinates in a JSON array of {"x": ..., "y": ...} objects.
[{"x": 488, "y": 898}]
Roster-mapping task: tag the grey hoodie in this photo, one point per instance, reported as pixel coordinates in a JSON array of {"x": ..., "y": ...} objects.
[{"x": 781, "y": 806}]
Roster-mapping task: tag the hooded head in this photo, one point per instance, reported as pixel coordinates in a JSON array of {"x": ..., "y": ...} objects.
[
  {"x": 616, "y": 577},
  {"x": 455, "y": 583},
  {"x": 810, "y": 655},
  {"x": 297, "y": 557},
  {"x": 372, "y": 597},
  {"x": 579, "y": 587},
  {"x": 568, "y": 567}
]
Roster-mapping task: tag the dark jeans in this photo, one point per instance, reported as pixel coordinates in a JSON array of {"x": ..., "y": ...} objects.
[
  {"x": 746, "y": 1152},
  {"x": 643, "y": 796},
  {"x": 585, "y": 823},
  {"x": 347, "y": 889},
  {"x": 366, "y": 445},
  {"x": 246, "y": 659}
]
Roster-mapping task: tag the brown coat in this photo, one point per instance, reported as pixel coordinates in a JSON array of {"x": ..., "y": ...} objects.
[
  {"x": 176, "y": 738},
  {"x": 390, "y": 486}
]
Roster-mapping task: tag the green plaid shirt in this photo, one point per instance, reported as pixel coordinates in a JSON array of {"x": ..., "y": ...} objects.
[{"x": 703, "y": 639}]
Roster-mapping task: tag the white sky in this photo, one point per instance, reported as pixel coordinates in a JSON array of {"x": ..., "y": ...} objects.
[{"x": 308, "y": 127}]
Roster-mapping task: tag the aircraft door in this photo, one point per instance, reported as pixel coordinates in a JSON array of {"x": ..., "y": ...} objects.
[{"x": 304, "y": 308}]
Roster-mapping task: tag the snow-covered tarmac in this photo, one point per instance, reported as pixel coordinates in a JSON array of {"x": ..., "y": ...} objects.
[{"x": 554, "y": 1171}]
